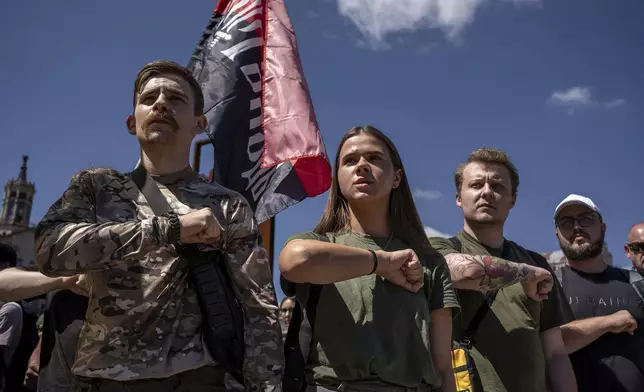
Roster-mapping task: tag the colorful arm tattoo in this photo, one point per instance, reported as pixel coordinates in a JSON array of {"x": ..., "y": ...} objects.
[{"x": 491, "y": 272}]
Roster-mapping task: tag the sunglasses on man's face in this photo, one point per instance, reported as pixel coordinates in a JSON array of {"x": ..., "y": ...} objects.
[
  {"x": 636, "y": 247},
  {"x": 584, "y": 220}
]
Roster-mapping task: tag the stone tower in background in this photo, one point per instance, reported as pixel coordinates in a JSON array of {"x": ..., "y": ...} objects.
[
  {"x": 17, "y": 203},
  {"x": 18, "y": 200}
]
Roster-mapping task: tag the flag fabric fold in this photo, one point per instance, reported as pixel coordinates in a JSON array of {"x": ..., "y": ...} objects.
[{"x": 260, "y": 115}]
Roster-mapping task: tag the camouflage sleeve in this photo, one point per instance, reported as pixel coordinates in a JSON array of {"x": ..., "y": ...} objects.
[
  {"x": 252, "y": 277},
  {"x": 69, "y": 240}
]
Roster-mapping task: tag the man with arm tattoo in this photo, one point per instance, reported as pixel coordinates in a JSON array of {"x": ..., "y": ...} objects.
[
  {"x": 518, "y": 345},
  {"x": 487, "y": 273}
]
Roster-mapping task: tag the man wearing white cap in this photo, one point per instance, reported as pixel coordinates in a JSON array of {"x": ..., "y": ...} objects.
[{"x": 605, "y": 345}]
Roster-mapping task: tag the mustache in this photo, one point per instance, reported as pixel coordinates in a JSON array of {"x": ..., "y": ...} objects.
[
  {"x": 578, "y": 232},
  {"x": 160, "y": 117}
]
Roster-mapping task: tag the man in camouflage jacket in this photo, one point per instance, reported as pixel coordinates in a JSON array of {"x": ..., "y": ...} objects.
[{"x": 143, "y": 325}]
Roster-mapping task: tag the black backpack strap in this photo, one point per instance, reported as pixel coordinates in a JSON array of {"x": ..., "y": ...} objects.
[
  {"x": 456, "y": 243},
  {"x": 634, "y": 277},
  {"x": 637, "y": 281},
  {"x": 295, "y": 369},
  {"x": 559, "y": 274},
  {"x": 470, "y": 332}
]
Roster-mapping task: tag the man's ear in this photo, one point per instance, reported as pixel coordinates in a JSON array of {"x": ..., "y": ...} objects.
[
  {"x": 130, "y": 122},
  {"x": 202, "y": 124},
  {"x": 458, "y": 200},
  {"x": 514, "y": 200}
]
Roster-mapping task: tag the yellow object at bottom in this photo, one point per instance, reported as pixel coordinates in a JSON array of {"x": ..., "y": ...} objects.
[{"x": 462, "y": 367}]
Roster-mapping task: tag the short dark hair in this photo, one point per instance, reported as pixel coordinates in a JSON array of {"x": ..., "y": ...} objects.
[
  {"x": 8, "y": 255},
  {"x": 489, "y": 155},
  {"x": 164, "y": 67}
]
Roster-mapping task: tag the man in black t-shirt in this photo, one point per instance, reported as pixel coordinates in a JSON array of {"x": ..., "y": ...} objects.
[{"x": 605, "y": 345}]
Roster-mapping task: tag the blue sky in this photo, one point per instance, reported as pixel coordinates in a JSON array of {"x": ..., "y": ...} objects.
[{"x": 557, "y": 84}]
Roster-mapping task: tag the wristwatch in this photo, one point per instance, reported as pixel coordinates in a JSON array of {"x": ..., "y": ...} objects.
[{"x": 174, "y": 231}]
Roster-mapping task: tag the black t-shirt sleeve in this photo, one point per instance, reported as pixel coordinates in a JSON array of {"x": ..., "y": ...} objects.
[
  {"x": 289, "y": 288},
  {"x": 555, "y": 310}
]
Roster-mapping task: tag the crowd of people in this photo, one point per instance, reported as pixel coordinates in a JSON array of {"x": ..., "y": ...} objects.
[{"x": 372, "y": 303}]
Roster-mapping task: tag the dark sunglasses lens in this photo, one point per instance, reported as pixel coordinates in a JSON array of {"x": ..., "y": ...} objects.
[{"x": 637, "y": 247}]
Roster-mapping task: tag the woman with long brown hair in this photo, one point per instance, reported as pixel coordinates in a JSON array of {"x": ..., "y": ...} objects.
[{"x": 383, "y": 318}]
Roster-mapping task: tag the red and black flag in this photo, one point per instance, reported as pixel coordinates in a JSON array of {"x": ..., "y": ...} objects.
[{"x": 261, "y": 120}]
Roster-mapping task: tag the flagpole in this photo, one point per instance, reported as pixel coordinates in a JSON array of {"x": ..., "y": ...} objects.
[{"x": 267, "y": 229}]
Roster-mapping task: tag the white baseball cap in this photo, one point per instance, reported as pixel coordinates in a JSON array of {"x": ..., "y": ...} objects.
[{"x": 576, "y": 199}]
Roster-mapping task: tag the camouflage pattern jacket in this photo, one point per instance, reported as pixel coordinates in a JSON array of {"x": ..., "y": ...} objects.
[{"x": 143, "y": 319}]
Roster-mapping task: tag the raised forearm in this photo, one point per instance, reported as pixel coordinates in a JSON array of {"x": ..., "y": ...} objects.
[
  {"x": 310, "y": 261},
  {"x": 561, "y": 377},
  {"x": 17, "y": 285},
  {"x": 580, "y": 333},
  {"x": 484, "y": 273},
  {"x": 69, "y": 249}
]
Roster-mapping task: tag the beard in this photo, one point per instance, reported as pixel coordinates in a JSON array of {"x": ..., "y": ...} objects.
[{"x": 583, "y": 252}]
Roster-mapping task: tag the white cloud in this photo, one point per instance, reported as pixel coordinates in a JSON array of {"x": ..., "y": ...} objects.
[
  {"x": 615, "y": 103},
  {"x": 426, "y": 194},
  {"x": 378, "y": 18},
  {"x": 572, "y": 97},
  {"x": 579, "y": 96},
  {"x": 431, "y": 232}
]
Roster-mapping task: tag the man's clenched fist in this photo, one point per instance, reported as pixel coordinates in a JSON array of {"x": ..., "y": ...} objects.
[
  {"x": 538, "y": 284},
  {"x": 199, "y": 227},
  {"x": 77, "y": 284},
  {"x": 622, "y": 321}
]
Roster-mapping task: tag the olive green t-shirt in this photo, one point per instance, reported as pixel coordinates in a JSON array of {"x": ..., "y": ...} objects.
[
  {"x": 507, "y": 352},
  {"x": 370, "y": 329}
]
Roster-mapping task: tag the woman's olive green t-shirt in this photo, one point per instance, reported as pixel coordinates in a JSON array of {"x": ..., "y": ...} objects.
[{"x": 367, "y": 328}]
